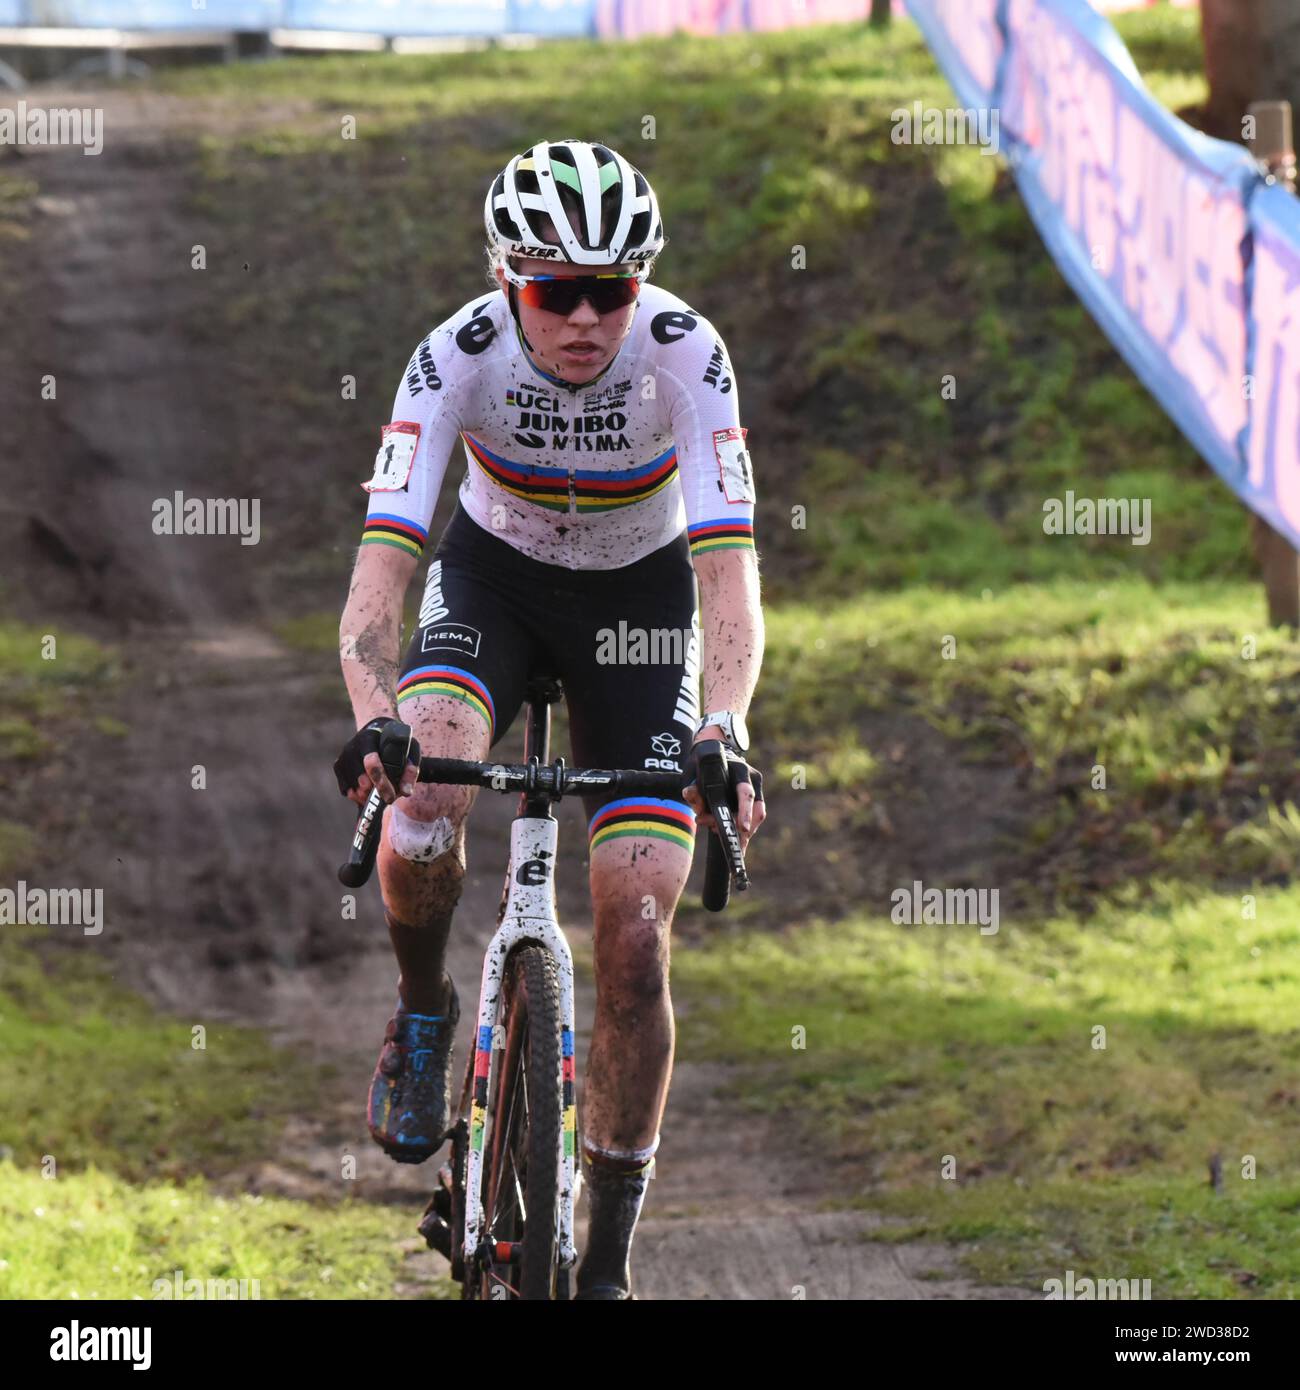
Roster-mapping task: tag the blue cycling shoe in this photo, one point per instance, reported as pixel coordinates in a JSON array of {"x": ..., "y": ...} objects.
[{"x": 410, "y": 1093}]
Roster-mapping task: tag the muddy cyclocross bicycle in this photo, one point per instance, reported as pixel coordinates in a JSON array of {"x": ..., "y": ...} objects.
[{"x": 503, "y": 1210}]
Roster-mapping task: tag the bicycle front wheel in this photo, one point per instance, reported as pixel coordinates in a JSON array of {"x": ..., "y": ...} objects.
[{"x": 522, "y": 1146}]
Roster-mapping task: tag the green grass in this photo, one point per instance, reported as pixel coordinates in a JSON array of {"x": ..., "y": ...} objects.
[
  {"x": 116, "y": 1129},
  {"x": 1166, "y": 46},
  {"x": 1154, "y": 723},
  {"x": 891, "y": 518},
  {"x": 317, "y": 633},
  {"x": 922, "y": 1042},
  {"x": 17, "y": 840},
  {"x": 1189, "y": 1241},
  {"x": 331, "y": 257},
  {"x": 95, "y": 1236},
  {"x": 1178, "y": 696},
  {"x": 150, "y": 1110},
  {"x": 49, "y": 681},
  {"x": 16, "y": 196}
]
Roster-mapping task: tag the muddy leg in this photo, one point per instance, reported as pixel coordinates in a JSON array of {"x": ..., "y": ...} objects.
[
  {"x": 422, "y": 854},
  {"x": 635, "y": 887}
]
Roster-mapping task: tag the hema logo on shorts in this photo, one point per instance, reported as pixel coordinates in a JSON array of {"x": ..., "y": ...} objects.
[
  {"x": 456, "y": 637},
  {"x": 77, "y": 1343}
]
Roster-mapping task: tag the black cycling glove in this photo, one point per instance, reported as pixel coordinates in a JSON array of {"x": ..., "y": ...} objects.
[
  {"x": 738, "y": 770},
  {"x": 350, "y": 765}
]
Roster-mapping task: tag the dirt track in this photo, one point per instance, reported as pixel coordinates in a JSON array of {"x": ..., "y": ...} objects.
[{"x": 223, "y": 902}]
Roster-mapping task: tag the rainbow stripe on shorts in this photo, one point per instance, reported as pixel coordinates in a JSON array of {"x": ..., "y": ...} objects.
[
  {"x": 383, "y": 529},
  {"x": 724, "y": 534},
  {"x": 452, "y": 681},
  {"x": 642, "y": 816}
]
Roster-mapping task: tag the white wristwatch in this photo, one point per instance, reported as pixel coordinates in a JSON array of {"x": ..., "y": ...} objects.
[{"x": 733, "y": 728}]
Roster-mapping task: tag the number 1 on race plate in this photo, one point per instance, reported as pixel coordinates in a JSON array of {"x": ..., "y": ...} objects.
[
  {"x": 733, "y": 464},
  {"x": 395, "y": 457}
]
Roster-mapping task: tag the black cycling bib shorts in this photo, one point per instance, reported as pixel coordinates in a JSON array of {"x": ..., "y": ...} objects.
[{"x": 624, "y": 644}]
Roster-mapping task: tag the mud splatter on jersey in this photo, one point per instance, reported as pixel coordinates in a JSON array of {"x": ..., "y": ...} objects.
[{"x": 588, "y": 477}]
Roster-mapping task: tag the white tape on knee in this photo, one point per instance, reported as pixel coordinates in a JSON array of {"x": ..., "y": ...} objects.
[{"x": 420, "y": 841}]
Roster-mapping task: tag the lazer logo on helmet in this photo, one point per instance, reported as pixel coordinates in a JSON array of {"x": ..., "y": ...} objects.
[{"x": 539, "y": 253}]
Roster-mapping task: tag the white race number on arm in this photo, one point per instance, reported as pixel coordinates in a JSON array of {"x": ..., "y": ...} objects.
[{"x": 395, "y": 458}]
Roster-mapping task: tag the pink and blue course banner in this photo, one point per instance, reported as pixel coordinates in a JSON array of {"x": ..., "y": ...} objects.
[
  {"x": 634, "y": 19},
  {"x": 627, "y": 19},
  {"x": 1184, "y": 253}
]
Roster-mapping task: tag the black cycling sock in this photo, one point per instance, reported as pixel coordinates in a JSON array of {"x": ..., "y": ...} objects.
[
  {"x": 616, "y": 1189},
  {"x": 421, "y": 957}
]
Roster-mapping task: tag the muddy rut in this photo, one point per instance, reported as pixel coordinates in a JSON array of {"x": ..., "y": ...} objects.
[{"x": 222, "y": 902}]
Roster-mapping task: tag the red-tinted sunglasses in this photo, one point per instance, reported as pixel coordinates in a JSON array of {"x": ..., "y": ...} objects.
[{"x": 561, "y": 294}]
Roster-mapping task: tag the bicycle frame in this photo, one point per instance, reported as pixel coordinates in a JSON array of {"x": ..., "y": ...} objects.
[
  {"x": 529, "y": 915},
  {"x": 456, "y": 1221}
]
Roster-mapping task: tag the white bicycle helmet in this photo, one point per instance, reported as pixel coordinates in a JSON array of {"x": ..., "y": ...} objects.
[{"x": 534, "y": 201}]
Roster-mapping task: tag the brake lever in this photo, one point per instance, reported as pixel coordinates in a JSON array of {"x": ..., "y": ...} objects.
[
  {"x": 397, "y": 747},
  {"x": 725, "y": 864}
]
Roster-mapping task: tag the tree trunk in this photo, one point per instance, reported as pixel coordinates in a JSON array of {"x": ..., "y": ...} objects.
[
  {"x": 1252, "y": 53},
  {"x": 881, "y": 11}
]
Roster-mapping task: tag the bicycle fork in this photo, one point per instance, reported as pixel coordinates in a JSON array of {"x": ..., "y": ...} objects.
[{"x": 530, "y": 915}]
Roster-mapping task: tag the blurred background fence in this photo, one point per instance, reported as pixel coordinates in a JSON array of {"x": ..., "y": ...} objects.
[{"x": 1182, "y": 249}]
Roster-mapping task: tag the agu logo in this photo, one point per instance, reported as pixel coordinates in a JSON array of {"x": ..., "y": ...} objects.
[{"x": 668, "y": 745}]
